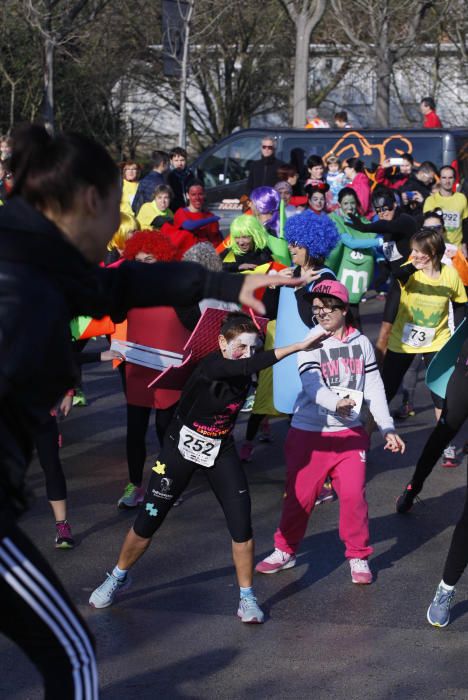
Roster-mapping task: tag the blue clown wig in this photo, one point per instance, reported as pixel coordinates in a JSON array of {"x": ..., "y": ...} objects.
[{"x": 315, "y": 232}]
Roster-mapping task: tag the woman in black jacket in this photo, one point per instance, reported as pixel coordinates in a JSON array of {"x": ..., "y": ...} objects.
[{"x": 54, "y": 230}]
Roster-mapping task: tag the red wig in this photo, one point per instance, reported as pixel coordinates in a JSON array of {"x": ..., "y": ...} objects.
[{"x": 152, "y": 243}]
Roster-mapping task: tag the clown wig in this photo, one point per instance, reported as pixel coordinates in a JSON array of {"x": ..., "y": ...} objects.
[
  {"x": 250, "y": 226},
  {"x": 265, "y": 200},
  {"x": 153, "y": 243},
  {"x": 317, "y": 233},
  {"x": 127, "y": 227}
]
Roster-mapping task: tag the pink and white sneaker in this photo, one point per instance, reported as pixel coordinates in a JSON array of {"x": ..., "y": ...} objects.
[
  {"x": 360, "y": 572},
  {"x": 276, "y": 562},
  {"x": 246, "y": 452}
]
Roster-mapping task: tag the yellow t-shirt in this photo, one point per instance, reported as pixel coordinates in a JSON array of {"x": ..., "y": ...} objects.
[
  {"x": 128, "y": 193},
  {"x": 148, "y": 212},
  {"x": 454, "y": 209},
  {"x": 421, "y": 324}
]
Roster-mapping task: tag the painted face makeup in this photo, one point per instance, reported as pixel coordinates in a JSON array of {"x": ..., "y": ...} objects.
[
  {"x": 242, "y": 346},
  {"x": 348, "y": 205},
  {"x": 196, "y": 197}
]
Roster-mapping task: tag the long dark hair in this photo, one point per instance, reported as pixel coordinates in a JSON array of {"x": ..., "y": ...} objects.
[{"x": 48, "y": 171}]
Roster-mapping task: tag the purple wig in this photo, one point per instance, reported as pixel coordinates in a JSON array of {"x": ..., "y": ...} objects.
[{"x": 266, "y": 200}]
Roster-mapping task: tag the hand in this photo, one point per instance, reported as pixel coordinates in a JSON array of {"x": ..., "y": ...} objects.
[
  {"x": 247, "y": 266},
  {"x": 344, "y": 407},
  {"x": 315, "y": 341},
  {"x": 386, "y": 163},
  {"x": 310, "y": 275},
  {"x": 286, "y": 272},
  {"x": 108, "y": 355},
  {"x": 417, "y": 197},
  {"x": 394, "y": 443},
  {"x": 65, "y": 406},
  {"x": 254, "y": 282}
]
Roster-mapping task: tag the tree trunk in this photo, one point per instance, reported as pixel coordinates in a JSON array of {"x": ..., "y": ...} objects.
[
  {"x": 301, "y": 71},
  {"x": 48, "y": 105},
  {"x": 184, "y": 78},
  {"x": 382, "y": 102}
]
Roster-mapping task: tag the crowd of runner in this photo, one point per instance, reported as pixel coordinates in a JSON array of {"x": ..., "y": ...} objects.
[{"x": 324, "y": 239}]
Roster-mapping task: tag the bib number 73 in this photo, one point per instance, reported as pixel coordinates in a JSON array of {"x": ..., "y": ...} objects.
[{"x": 417, "y": 336}]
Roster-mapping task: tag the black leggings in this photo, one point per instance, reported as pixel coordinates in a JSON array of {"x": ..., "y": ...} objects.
[
  {"x": 37, "y": 615},
  {"x": 454, "y": 414},
  {"x": 46, "y": 438},
  {"x": 137, "y": 426},
  {"x": 395, "y": 366},
  {"x": 171, "y": 475},
  {"x": 253, "y": 424}
]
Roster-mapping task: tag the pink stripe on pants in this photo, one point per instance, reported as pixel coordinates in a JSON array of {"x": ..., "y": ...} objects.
[{"x": 310, "y": 458}]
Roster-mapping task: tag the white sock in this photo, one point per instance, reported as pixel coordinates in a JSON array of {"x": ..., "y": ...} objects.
[
  {"x": 119, "y": 573},
  {"x": 446, "y": 587}
]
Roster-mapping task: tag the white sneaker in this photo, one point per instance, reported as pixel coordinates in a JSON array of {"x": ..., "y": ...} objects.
[
  {"x": 105, "y": 594},
  {"x": 250, "y": 611},
  {"x": 360, "y": 572},
  {"x": 276, "y": 562}
]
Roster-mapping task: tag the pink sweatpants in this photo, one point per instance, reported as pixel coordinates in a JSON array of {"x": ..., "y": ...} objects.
[{"x": 310, "y": 458}]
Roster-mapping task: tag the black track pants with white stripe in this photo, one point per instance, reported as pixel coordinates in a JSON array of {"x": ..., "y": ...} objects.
[{"x": 36, "y": 614}]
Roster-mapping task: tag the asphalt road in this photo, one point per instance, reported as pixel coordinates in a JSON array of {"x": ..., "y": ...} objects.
[{"x": 174, "y": 634}]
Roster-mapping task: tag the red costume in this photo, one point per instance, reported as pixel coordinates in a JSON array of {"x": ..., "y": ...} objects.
[{"x": 432, "y": 121}]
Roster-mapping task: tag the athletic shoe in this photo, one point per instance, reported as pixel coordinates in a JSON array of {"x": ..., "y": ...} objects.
[
  {"x": 438, "y": 612},
  {"x": 265, "y": 433},
  {"x": 450, "y": 457},
  {"x": 105, "y": 594},
  {"x": 249, "y": 611},
  {"x": 63, "y": 537},
  {"x": 360, "y": 572},
  {"x": 326, "y": 494},
  {"x": 248, "y": 405},
  {"x": 406, "y": 410},
  {"x": 277, "y": 561},
  {"x": 246, "y": 452},
  {"x": 80, "y": 399},
  {"x": 132, "y": 497},
  {"x": 406, "y": 500}
]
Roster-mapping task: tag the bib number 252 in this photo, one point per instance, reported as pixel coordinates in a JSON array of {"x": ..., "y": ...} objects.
[{"x": 198, "y": 448}]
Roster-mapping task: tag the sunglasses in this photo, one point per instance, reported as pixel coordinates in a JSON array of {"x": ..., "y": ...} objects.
[
  {"x": 323, "y": 310},
  {"x": 437, "y": 227},
  {"x": 380, "y": 210},
  {"x": 267, "y": 148}
]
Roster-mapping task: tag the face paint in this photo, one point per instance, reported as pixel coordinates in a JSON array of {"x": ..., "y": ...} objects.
[
  {"x": 242, "y": 346},
  {"x": 196, "y": 197}
]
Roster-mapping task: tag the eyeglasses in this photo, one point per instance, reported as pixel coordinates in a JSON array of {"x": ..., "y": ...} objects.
[
  {"x": 323, "y": 310},
  {"x": 438, "y": 228},
  {"x": 380, "y": 210},
  {"x": 267, "y": 148}
]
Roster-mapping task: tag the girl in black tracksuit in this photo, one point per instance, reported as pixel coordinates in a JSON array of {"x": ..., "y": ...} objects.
[{"x": 200, "y": 436}]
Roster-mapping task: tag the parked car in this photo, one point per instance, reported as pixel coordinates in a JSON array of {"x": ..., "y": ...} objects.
[{"x": 224, "y": 167}]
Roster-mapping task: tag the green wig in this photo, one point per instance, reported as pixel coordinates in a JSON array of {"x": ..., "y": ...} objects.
[{"x": 246, "y": 225}]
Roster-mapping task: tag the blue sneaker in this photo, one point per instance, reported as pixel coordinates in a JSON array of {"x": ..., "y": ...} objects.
[
  {"x": 249, "y": 611},
  {"x": 105, "y": 594},
  {"x": 438, "y": 613}
]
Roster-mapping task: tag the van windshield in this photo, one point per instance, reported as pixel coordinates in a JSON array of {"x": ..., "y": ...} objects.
[{"x": 371, "y": 149}]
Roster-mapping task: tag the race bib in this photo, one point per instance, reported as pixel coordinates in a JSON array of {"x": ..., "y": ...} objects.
[
  {"x": 198, "y": 448},
  {"x": 417, "y": 336},
  {"x": 345, "y": 393},
  {"x": 391, "y": 252},
  {"x": 451, "y": 219}
]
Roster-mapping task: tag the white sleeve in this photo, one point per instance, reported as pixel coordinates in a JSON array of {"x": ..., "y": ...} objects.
[
  {"x": 312, "y": 380},
  {"x": 374, "y": 392}
]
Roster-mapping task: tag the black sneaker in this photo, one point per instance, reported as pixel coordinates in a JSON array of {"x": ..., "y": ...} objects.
[{"x": 405, "y": 501}]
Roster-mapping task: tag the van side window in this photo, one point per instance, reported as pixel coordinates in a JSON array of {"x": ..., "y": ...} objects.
[
  {"x": 211, "y": 171},
  {"x": 241, "y": 153}
]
